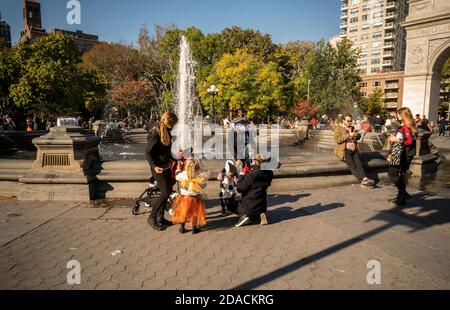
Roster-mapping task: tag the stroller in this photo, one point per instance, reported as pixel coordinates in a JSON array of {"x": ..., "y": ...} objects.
[
  {"x": 152, "y": 191},
  {"x": 149, "y": 194}
]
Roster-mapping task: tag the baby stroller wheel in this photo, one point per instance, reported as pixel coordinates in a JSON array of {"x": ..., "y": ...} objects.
[{"x": 135, "y": 210}]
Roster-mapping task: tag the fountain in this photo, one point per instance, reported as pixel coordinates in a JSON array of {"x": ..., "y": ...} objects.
[
  {"x": 63, "y": 169},
  {"x": 68, "y": 165},
  {"x": 188, "y": 106}
]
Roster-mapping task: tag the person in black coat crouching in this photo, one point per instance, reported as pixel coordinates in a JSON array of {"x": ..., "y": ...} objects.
[{"x": 253, "y": 184}]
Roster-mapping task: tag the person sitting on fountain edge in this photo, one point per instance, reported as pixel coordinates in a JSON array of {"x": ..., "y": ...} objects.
[
  {"x": 159, "y": 155},
  {"x": 346, "y": 149},
  {"x": 253, "y": 184}
]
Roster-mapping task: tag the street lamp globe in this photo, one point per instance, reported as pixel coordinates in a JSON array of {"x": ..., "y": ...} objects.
[{"x": 213, "y": 90}]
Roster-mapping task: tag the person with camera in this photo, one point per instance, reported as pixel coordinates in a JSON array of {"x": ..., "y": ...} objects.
[{"x": 346, "y": 149}]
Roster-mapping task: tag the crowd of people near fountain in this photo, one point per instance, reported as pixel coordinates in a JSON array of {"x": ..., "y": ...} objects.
[{"x": 246, "y": 176}]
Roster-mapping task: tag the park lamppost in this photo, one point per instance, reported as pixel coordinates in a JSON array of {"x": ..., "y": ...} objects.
[
  {"x": 213, "y": 91},
  {"x": 309, "y": 85}
]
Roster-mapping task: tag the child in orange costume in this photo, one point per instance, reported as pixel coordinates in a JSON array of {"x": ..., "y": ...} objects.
[{"x": 189, "y": 205}]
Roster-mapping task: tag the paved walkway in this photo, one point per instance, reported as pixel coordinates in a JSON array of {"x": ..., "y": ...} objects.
[{"x": 318, "y": 239}]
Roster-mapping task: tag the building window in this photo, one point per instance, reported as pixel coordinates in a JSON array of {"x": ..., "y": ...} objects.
[
  {"x": 378, "y": 25},
  {"x": 376, "y": 61},
  {"x": 353, "y": 20},
  {"x": 362, "y": 71},
  {"x": 365, "y": 27},
  {"x": 364, "y": 37},
  {"x": 377, "y": 35},
  {"x": 376, "y": 83},
  {"x": 364, "y": 84},
  {"x": 364, "y": 46},
  {"x": 354, "y": 11},
  {"x": 355, "y": 1},
  {"x": 376, "y": 44},
  {"x": 376, "y": 54},
  {"x": 378, "y": 15},
  {"x": 363, "y": 55},
  {"x": 375, "y": 69},
  {"x": 365, "y": 17},
  {"x": 378, "y": 5},
  {"x": 366, "y": 7},
  {"x": 353, "y": 30}
]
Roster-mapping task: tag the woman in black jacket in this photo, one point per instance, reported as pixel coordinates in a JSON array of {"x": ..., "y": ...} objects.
[
  {"x": 406, "y": 136},
  {"x": 159, "y": 156},
  {"x": 253, "y": 186}
]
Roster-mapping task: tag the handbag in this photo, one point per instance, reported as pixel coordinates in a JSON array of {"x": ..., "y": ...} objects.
[{"x": 395, "y": 152}]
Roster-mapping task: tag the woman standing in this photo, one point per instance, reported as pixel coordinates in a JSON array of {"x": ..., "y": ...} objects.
[
  {"x": 403, "y": 151},
  {"x": 159, "y": 156}
]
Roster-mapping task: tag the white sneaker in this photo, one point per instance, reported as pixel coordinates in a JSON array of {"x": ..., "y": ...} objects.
[
  {"x": 171, "y": 212},
  {"x": 242, "y": 221},
  {"x": 367, "y": 181}
]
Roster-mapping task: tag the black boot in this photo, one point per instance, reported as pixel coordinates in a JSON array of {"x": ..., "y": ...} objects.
[
  {"x": 195, "y": 230},
  {"x": 153, "y": 223},
  {"x": 161, "y": 220},
  {"x": 182, "y": 230}
]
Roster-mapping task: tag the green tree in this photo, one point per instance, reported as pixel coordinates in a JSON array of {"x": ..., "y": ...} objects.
[
  {"x": 445, "y": 87},
  {"x": 244, "y": 82},
  {"x": 374, "y": 104},
  {"x": 290, "y": 58},
  {"x": 333, "y": 76},
  {"x": 256, "y": 43},
  {"x": 9, "y": 73},
  {"x": 51, "y": 81}
]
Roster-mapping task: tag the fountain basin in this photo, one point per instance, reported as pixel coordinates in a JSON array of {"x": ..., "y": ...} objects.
[{"x": 126, "y": 179}]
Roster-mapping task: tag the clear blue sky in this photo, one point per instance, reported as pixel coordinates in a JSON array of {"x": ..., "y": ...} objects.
[{"x": 120, "y": 20}]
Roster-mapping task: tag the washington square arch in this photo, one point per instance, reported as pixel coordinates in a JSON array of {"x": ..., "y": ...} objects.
[{"x": 427, "y": 49}]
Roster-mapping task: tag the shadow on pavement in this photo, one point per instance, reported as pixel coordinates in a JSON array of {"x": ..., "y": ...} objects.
[
  {"x": 288, "y": 213},
  {"x": 419, "y": 210},
  {"x": 428, "y": 213}
]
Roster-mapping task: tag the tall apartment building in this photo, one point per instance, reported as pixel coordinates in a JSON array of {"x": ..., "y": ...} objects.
[
  {"x": 5, "y": 31},
  {"x": 374, "y": 27}
]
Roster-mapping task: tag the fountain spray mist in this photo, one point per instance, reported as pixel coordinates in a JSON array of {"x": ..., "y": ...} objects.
[{"x": 188, "y": 106}]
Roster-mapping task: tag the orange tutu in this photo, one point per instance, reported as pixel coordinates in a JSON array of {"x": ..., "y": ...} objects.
[{"x": 189, "y": 209}]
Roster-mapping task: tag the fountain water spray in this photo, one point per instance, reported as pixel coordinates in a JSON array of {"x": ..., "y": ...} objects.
[{"x": 188, "y": 106}]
